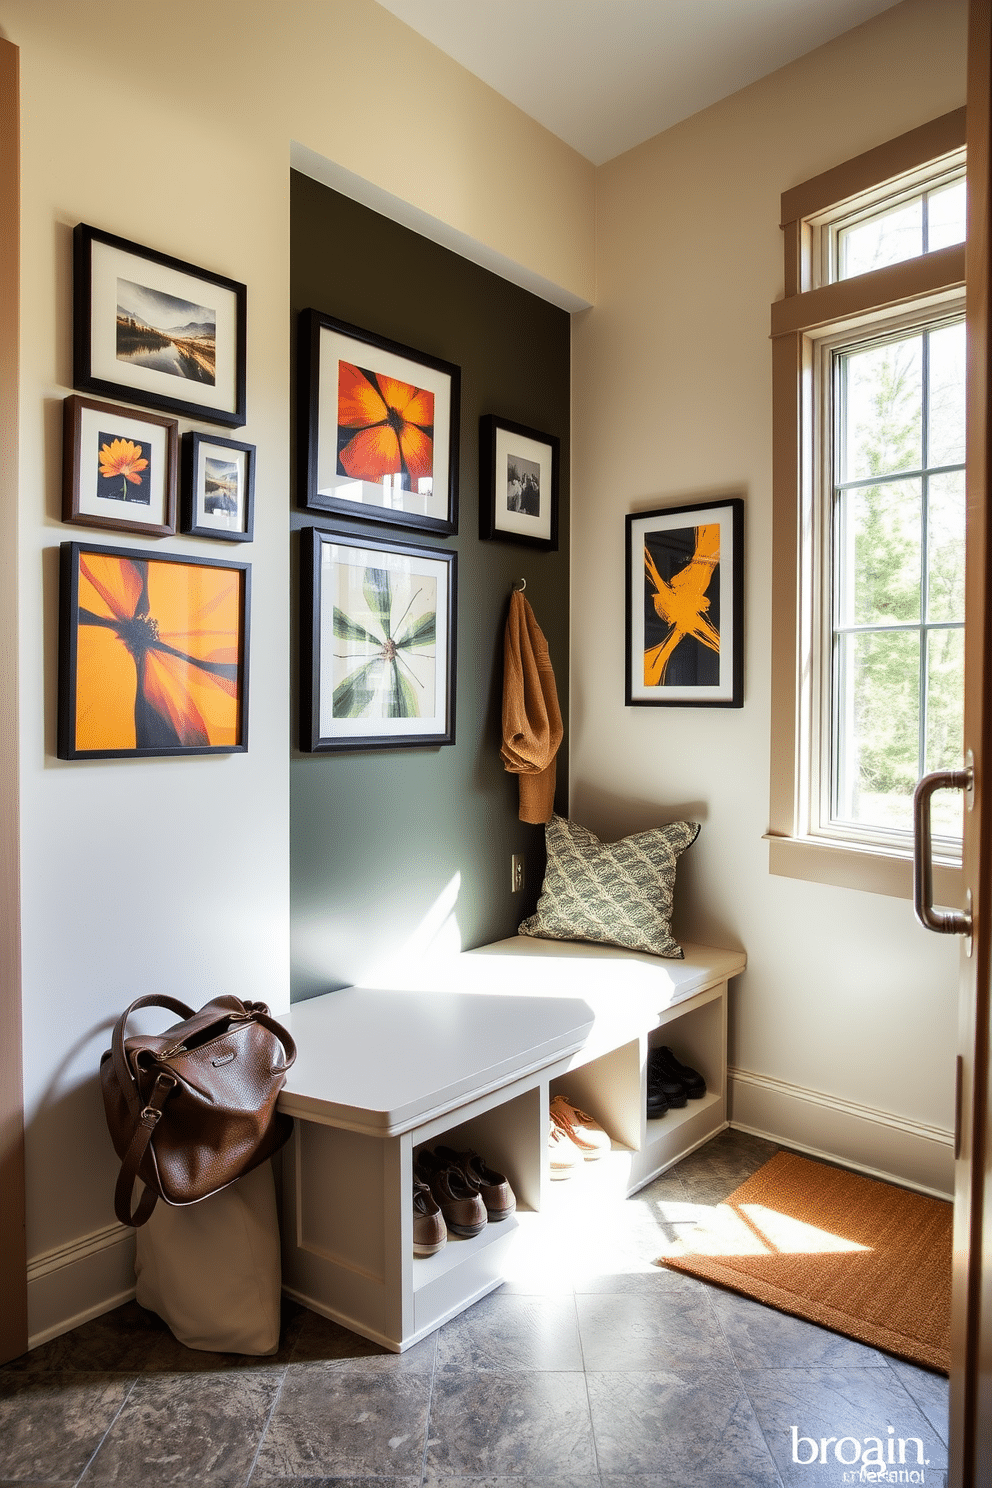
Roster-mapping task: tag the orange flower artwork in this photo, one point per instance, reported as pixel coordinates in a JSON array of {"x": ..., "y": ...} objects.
[
  {"x": 385, "y": 428},
  {"x": 681, "y": 604},
  {"x": 124, "y": 458},
  {"x": 158, "y": 664}
]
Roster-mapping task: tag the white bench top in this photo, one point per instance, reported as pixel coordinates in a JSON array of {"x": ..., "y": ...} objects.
[{"x": 385, "y": 1059}]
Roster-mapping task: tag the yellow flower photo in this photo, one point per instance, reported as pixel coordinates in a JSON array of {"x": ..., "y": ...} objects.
[{"x": 123, "y": 468}]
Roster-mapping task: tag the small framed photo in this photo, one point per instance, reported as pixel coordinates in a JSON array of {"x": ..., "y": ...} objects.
[
  {"x": 218, "y": 488},
  {"x": 118, "y": 468},
  {"x": 157, "y": 331},
  {"x": 685, "y": 606},
  {"x": 518, "y": 484},
  {"x": 153, "y": 654},
  {"x": 378, "y": 643},
  {"x": 378, "y": 428}
]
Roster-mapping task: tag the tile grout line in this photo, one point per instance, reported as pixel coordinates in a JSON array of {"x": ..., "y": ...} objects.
[
  {"x": 585, "y": 1380},
  {"x": 917, "y": 1406},
  {"x": 268, "y": 1419},
  {"x": 747, "y": 1396},
  {"x": 743, "y": 1386},
  {"x": 430, "y": 1406},
  {"x": 110, "y": 1426}
]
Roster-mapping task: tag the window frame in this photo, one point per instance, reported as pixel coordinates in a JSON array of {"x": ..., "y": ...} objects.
[
  {"x": 827, "y": 226},
  {"x": 813, "y": 316}
]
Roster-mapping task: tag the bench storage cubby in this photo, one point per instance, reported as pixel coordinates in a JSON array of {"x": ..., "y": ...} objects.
[{"x": 470, "y": 1055}]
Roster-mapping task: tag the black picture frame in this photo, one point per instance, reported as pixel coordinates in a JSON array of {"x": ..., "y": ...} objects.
[
  {"x": 118, "y": 467},
  {"x": 127, "y": 688},
  {"x": 129, "y": 305},
  {"x": 332, "y": 379},
  {"x": 353, "y": 701},
  {"x": 685, "y": 641},
  {"x": 218, "y": 488},
  {"x": 518, "y": 484}
]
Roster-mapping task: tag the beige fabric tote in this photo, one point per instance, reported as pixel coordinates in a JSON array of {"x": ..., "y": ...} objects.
[{"x": 211, "y": 1270}]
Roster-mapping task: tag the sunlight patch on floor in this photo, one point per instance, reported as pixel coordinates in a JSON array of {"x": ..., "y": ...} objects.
[{"x": 746, "y": 1229}]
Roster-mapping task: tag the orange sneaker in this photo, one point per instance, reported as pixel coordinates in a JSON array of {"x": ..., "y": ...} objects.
[
  {"x": 586, "y": 1134},
  {"x": 563, "y": 1156}
]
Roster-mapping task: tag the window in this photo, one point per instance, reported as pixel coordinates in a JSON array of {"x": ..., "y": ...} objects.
[
  {"x": 906, "y": 223},
  {"x": 869, "y": 348},
  {"x": 893, "y": 646}
]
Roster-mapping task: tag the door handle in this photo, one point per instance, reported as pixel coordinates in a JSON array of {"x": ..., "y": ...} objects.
[{"x": 942, "y": 921}]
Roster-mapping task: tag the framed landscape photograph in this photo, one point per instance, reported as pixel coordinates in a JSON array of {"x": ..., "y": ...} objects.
[
  {"x": 378, "y": 427},
  {"x": 685, "y": 606},
  {"x": 153, "y": 654},
  {"x": 157, "y": 331},
  {"x": 218, "y": 488},
  {"x": 518, "y": 484},
  {"x": 118, "y": 468},
  {"x": 378, "y": 643}
]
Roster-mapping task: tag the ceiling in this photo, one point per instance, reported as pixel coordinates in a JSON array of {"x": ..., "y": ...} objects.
[{"x": 604, "y": 75}]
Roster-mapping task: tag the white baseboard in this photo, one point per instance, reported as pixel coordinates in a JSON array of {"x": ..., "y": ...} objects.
[
  {"x": 875, "y": 1142},
  {"x": 78, "y": 1281}
]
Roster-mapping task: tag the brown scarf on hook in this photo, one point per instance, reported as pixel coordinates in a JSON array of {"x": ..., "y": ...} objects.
[{"x": 532, "y": 728}]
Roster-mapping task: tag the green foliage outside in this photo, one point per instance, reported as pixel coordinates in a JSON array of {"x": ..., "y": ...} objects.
[{"x": 880, "y": 527}]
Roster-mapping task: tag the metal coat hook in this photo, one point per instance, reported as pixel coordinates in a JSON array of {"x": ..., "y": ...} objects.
[{"x": 519, "y": 585}]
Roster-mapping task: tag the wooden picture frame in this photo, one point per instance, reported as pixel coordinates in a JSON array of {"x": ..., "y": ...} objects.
[
  {"x": 518, "y": 484},
  {"x": 378, "y": 643},
  {"x": 379, "y": 428},
  {"x": 218, "y": 488},
  {"x": 157, "y": 331},
  {"x": 118, "y": 468},
  {"x": 153, "y": 654},
  {"x": 685, "y": 606}
]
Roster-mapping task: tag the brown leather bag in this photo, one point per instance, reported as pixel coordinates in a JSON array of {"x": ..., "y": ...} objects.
[{"x": 192, "y": 1109}]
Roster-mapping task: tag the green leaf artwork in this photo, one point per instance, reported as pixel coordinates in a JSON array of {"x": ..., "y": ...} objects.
[{"x": 385, "y": 623}]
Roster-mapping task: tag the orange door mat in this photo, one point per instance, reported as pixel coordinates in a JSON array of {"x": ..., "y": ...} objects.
[{"x": 862, "y": 1257}]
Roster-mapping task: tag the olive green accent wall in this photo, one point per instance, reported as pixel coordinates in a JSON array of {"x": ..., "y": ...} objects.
[{"x": 395, "y": 850}]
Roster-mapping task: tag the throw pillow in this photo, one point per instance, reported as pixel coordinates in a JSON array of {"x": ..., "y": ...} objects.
[{"x": 616, "y": 893}]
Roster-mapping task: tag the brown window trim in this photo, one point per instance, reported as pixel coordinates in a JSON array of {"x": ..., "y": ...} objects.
[
  {"x": 901, "y": 156},
  {"x": 795, "y": 320}
]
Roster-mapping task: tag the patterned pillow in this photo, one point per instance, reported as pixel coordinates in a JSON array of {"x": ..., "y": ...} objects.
[{"x": 617, "y": 893}]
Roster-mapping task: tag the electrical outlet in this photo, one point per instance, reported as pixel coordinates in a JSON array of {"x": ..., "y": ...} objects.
[{"x": 517, "y": 873}]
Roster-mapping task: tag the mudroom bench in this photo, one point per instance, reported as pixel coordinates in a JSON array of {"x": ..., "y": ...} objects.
[{"x": 470, "y": 1054}]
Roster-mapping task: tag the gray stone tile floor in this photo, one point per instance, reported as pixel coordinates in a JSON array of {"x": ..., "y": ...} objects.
[{"x": 590, "y": 1368}]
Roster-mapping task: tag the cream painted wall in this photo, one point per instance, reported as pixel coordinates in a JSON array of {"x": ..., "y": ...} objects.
[
  {"x": 844, "y": 996},
  {"x": 172, "y": 125}
]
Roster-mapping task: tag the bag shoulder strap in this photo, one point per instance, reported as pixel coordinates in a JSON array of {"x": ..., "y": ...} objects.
[
  {"x": 122, "y": 1070},
  {"x": 147, "y": 1122}
]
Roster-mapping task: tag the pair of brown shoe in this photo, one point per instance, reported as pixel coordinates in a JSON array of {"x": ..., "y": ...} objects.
[
  {"x": 462, "y": 1192},
  {"x": 429, "y": 1233}
]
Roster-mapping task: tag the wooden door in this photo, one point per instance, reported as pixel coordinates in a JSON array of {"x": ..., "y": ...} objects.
[{"x": 971, "y": 1372}]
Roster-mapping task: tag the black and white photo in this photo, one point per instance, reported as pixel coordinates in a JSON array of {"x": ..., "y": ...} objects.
[{"x": 518, "y": 483}]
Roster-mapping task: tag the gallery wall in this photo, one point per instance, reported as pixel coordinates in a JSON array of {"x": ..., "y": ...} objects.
[
  {"x": 400, "y": 853},
  {"x": 174, "y": 126},
  {"x": 844, "y": 1026}
]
